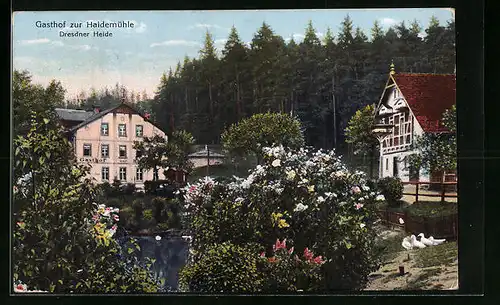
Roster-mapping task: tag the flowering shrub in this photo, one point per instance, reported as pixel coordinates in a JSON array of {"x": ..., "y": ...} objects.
[
  {"x": 305, "y": 196},
  {"x": 392, "y": 189},
  {"x": 286, "y": 271}
]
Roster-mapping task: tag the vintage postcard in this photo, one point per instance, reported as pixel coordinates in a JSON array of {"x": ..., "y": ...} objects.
[{"x": 234, "y": 152}]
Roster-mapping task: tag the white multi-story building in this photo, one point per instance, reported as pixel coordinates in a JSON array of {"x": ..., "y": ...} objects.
[
  {"x": 414, "y": 104},
  {"x": 105, "y": 140}
]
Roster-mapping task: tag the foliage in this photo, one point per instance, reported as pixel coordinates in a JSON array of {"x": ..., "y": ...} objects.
[
  {"x": 432, "y": 209},
  {"x": 223, "y": 268},
  {"x": 57, "y": 247},
  {"x": 138, "y": 206},
  {"x": 151, "y": 154},
  {"x": 392, "y": 189},
  {"x": 178, "y": 148},
  {"x": 285, "y": 271},
  {"x": 158, "y": 207},
  {"x": 307, "y": 197},
  {"x": 250, "y": 135},
  {"x": 359, "y": 131},
  {"x": 438, "y": 151},
  {"x": 129, "y": 189},
  {"x": 127, "y": 216},
  {"x": 148, "y": 214}
]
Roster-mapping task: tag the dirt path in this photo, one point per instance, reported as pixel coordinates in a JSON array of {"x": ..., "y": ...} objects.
[{"x": 436, "y": 277}]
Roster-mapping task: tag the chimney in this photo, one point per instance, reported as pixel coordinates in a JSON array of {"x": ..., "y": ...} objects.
[{"x": 96, "y": 108}]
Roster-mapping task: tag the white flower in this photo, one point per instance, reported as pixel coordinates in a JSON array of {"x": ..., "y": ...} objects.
[
  {"x": 365, "y": 188},
  {"x": 380, "y": 198},
  {"x": 321, "y": 199},
  {"x": 276, "y": 163},
  {"x": 78, "y": 271},
  {"x": 300, "y": 207},
  {"x": 239, "y": 199},
  {"x": 401, "y": 221},
  {"x": 158, "y": 237},
  {"x": 101, "y": 206},
  {"x": 291, "y": 175},
  {"x": 362, "y": 225}
]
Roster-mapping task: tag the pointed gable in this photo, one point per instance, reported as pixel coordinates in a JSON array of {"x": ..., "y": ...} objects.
[{"x": 428, "y": 96}]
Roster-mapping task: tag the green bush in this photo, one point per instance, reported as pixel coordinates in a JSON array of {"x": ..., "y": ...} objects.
[
  {"x": 148, "y": 215},
  {"x": 127, "y": 216},
  {"x": 158, "y": 204},
  {"x": 308, "y": 197},
  {"x": 59, "y": 243},
  {"x": 392, "y": 189},
  {"x": 138, "y": 206},
  {"x": 223, "y": 268},
  {"x": 114, "y": 202},
  {"x": 129, "y": 189},
  {"x": 432, "y": 209}
]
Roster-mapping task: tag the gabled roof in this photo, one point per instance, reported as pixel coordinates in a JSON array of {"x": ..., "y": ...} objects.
[
  {"x": 99, "y": 115},
  {"x": 428, "y": 96},
  {"x": 73, "y": 114}
]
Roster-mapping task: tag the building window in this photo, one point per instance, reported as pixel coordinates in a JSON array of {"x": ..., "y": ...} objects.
[
  {"x": 139, "y": 130},
  {"x": 105, "y": 150},
  {"x": 408, "y": 139},
  {"x": 104, "y": 129},
  {"x": 105, "y": 174},
  {"x": 122, "y": 151},
  {"x": 387, "y": 164},
  {"x": 396, "y": 141},
  {"x": 123, "y": 174},
  {"x": 87, "y": 150},
  {"x": 138, "y": 174},
  {"x": 122, "y": 130}
]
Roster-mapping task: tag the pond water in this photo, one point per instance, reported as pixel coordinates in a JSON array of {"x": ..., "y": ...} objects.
[{"x": 170, "y": 254}]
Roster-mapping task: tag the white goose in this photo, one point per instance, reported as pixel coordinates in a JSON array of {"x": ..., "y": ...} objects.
[
  {"x": 424, "y": 240},
  {"x": 407, "y": 243},
  {"x": 416, "y": 243},
  {"x": 436, "y": 242}
]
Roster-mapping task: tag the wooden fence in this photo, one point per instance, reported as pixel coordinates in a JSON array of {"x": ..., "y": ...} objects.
[
  {"x": 439, "y": 227},
  {"x": 444, "y": 187}
]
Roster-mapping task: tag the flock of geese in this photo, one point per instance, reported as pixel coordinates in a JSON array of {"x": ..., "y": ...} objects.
[{"x": 411, "y": 242}]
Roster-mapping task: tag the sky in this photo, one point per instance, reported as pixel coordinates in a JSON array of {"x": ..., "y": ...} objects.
[{"x": 136, "y": 57}]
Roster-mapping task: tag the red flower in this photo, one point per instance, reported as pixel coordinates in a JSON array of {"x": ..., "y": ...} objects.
[
  {"x": 263, "y": 254},
  {"x": 272, "y": 259},
  {"x": 318, "y": 260},
  {"x": 20, "y": 287},
  {"x": 279, "y": 245},
  {"x": 308, "y": 255},
  {"x": 290, "y": 251}
]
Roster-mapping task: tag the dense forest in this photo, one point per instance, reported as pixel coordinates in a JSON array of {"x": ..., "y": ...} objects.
[{"x": 321, "y": 81}]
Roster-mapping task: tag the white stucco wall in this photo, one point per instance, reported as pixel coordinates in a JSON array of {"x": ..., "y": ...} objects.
[{"x": 386, "y": 166}]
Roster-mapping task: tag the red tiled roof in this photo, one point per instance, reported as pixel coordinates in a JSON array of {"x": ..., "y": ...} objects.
[{"x": 428, "y": 96}]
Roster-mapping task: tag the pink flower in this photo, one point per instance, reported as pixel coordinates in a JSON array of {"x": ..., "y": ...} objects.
[
  {"x": 308, "y": 255},
  {"x": 20, "y": 287},
  {"x": 263, "y": 254},
  {"x": 192, "y": 188},
  {"x": 355, "y": 189},
  {"x": 15, "y": 189},
  {"x": 116, "y": 218},
  {"x": 318, "y": 260},
  {"x": 114, "y": 227},
  {"x": 272, "y": 259},
  {"x": 358, "y": 206},
  {"x": 279, "y": 245},
  {"x": 290, "y": 251}
]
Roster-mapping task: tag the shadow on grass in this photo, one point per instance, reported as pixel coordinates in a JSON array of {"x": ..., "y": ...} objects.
[{"x": 444, "y": 254}]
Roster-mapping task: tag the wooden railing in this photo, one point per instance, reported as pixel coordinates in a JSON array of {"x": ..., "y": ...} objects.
[{"x": 442, "y": 194}]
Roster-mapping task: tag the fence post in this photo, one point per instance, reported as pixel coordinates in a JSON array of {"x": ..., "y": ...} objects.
[
  {"x": 442, "y": 192},
  {"x": 416, "y": 191}
]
